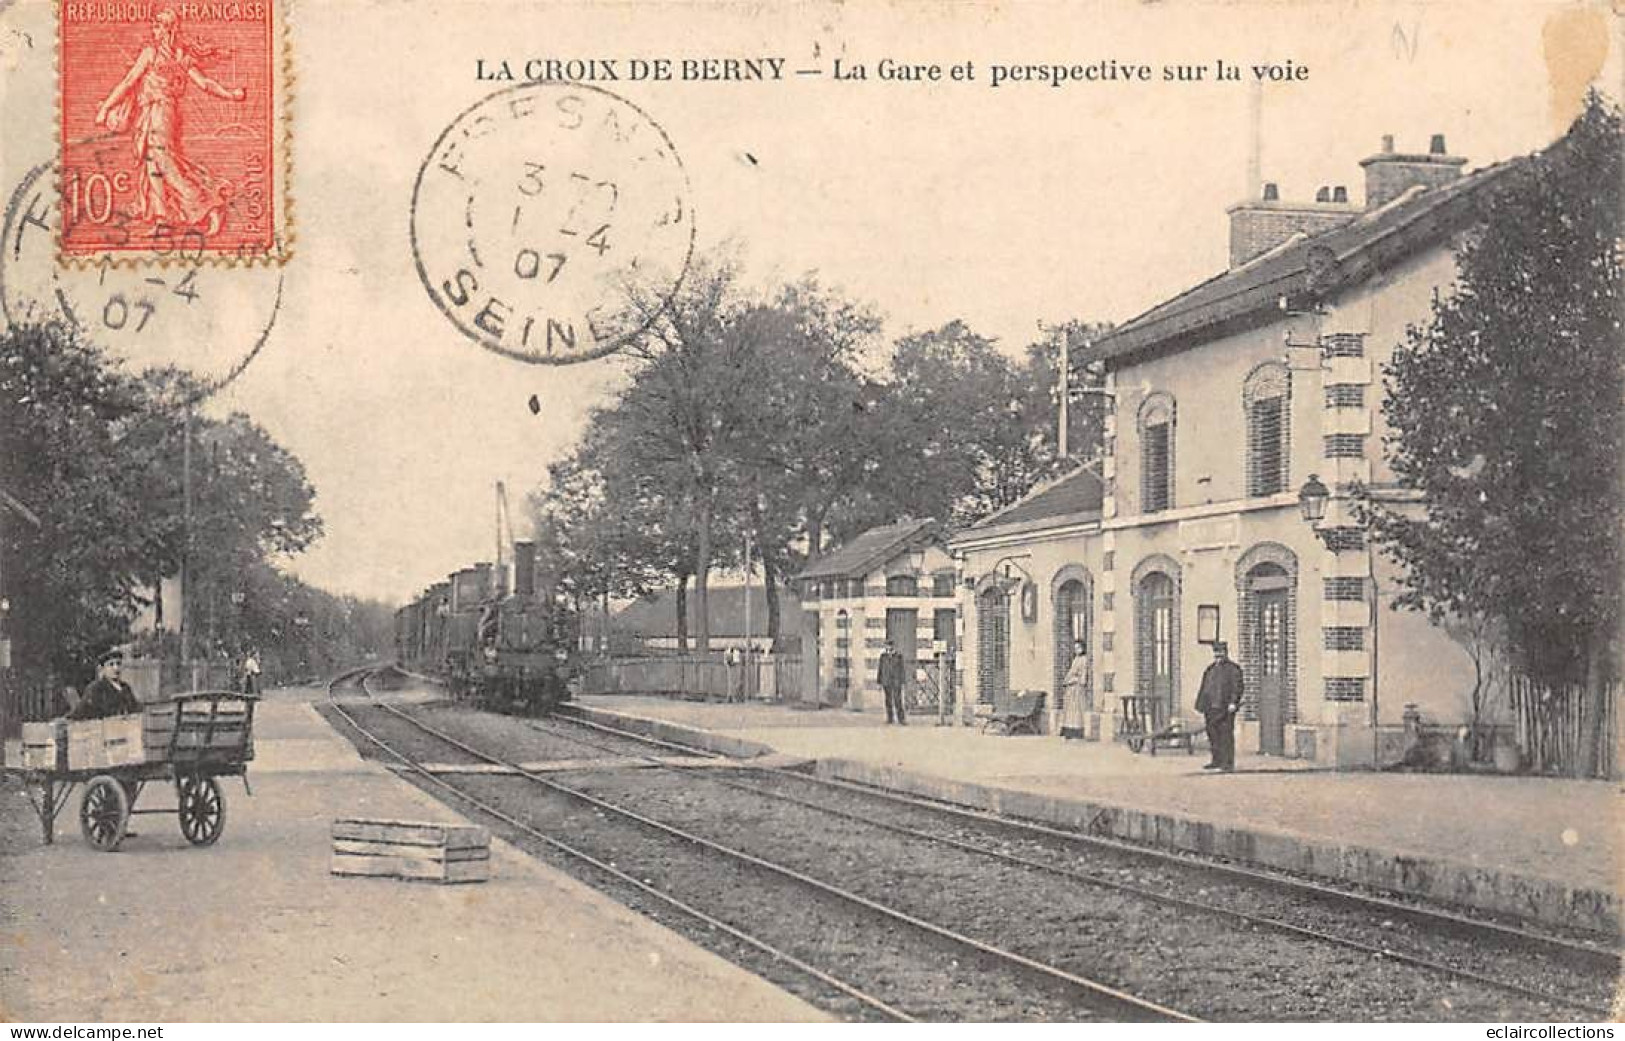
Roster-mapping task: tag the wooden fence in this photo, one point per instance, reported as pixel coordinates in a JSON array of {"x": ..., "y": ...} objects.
[
  {"x": 1555, "y": 724},
  {"x": 762, "y": 677}
]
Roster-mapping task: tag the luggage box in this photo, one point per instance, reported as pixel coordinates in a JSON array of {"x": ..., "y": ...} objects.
[
  {"x": 38, "y": 749},
  {"x": 411, "y": 850},
  {"x": 99, "y": 744}
]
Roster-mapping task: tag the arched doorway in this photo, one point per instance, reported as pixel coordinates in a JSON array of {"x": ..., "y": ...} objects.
[
  {"x": 992, "y": 644},
  {"x": 1072, "y": 623},
  {"x": 1269, "y": 605},
  {"x": 1156, "y": 627}
]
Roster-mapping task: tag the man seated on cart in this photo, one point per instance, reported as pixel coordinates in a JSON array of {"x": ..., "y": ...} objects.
[{"x": 108, "y": 694}]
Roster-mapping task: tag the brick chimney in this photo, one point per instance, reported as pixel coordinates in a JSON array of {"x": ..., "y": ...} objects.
[
  {"x": 1259, "y": 225},
  {"x": 1390, "y": 174}
]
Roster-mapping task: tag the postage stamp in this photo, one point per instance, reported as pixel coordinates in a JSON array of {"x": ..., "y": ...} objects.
[
  {"x": 550, "y": 220},
  {"x": 172, "y": 123}
]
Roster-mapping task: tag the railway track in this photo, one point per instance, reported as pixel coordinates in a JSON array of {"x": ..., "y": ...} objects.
[
  {"x": 1054, "y": 854},
  {"x": 1064, "y": 994},
  {"x": 1578, "y": 955}
]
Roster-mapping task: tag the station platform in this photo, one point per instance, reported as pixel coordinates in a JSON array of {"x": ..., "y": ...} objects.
[
  {"x": 255, "y": 929},
  {"x": 1539, "y": 849}
]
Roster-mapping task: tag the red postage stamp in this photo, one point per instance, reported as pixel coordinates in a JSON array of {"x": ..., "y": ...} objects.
[{"x": 172, "y": 131}]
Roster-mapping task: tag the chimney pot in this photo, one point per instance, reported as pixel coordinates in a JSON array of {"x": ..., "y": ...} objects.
[
  {"x": 1340, "y": 194},
  {"x": 1324, "y": 194},
  {"x": 1388, "y": 142},
  {"x": 1436, "y": 146},
  {"x": 1272, "y": 191}
]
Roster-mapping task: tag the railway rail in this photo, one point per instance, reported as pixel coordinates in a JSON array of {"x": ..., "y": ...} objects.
[
  {"x": 1582, "y": 956},
  {"x": 1054, "y": 853},
  {"x": 1085, "y": 995}
]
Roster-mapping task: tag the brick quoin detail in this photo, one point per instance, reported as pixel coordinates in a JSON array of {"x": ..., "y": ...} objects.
[
  {"x": 1345, "y": 688},
  {"x": 1347, "y": 539},
  {"x": 1344, "y": 638},
  {"x": 1108, "y": 560},
  {"x": 1343, "y": 345},
  {"x": 1108, "y": 683},
  {"x": 1345, "y": 446},
  {"x": 1345, "y": 395},
  {"x": 1343, "y": 588}
]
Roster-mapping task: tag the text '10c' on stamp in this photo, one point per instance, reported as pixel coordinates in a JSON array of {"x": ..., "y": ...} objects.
[{"x": 172, "y": 124}]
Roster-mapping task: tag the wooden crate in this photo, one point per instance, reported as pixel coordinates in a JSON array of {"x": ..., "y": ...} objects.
[
  {"x": 122, "y": 741},
  {"x": 41, "y": 747},
  {"x": 411, "y": 850},
  {"x": 181, "y": 730}
]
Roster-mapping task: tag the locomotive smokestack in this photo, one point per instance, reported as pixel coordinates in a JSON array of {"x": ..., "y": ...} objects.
[{"x": 524, "y": 569}]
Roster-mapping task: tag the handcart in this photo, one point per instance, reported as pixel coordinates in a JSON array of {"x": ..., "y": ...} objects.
[{"x": 189, "y": 740}]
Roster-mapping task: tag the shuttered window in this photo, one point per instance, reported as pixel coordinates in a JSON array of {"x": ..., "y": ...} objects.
[
  {"x": 1266, "y": 399},
  {"x": 902, "y": 585},
  {"x": 1154, "y": 493}
]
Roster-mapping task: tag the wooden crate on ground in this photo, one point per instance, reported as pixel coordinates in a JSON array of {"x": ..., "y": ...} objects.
[{"x": 411, "y": 850}]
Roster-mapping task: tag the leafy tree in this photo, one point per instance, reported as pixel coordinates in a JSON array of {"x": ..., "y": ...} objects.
[
  {"x": 74, "y": 450},
  {"x": 964, "y": 437},
  {"x": 1505, "y": 412}
]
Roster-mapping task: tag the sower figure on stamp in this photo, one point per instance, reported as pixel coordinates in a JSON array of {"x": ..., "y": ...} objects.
[
  {"x": 891, "y": 682},
  {"x": 172, "y": 188},
  {"x": 1218, "y": 701}
]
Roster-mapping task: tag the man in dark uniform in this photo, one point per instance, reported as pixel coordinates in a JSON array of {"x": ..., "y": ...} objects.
[
  {"x": 108, "y": 694},
  {"x": 891, "y": 681},
  {"x": 1218, "y": 701}
]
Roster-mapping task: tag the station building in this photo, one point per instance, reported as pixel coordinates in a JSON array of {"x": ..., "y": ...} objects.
[{"x": 1224, "y": 405}]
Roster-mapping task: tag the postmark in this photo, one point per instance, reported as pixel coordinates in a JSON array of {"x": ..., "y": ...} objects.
[
  {"x": 171, "y": 122},
  {"x": 209, "y": 320},
  {"x": 542, "y": 211}
]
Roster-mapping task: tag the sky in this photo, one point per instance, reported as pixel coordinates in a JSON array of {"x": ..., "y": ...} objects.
[{"x": 1003, "y": 206}]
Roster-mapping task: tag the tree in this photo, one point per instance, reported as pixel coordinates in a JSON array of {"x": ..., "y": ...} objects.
[
  {"x": 963, "y": 438},
  {"x": 78, "y": 444},
  {"x": 1507, "y": 411}
]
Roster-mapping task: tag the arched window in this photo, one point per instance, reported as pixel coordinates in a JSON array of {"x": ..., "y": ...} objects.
[
  {"x": 1157, "y": 453},
  {"x": 992, "y": 644},
  {"x": 1267, "y": 399}
]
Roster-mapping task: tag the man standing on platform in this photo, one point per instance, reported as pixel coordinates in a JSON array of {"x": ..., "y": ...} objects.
[
  {"x": 891, "y": 681},
  {"x": 1218, "y": 701}
]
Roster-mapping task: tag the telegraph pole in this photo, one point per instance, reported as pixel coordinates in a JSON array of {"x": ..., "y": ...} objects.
[
  {"x": 1066, "y": 391},
  {"x": 186, "y": 548}
]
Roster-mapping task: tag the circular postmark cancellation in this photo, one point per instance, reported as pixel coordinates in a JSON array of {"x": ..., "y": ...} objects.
[
  {"x": 209, "y": 319},
  {"x": 550, "y": 219}
]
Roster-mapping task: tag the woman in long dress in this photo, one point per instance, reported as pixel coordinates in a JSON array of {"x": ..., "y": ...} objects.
[
  {"x": 1078, "y": 695},
  {"x": 173, "y": 189}
]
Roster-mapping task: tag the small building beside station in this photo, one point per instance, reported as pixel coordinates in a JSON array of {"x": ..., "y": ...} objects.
[{"x": 896, "y": 582}]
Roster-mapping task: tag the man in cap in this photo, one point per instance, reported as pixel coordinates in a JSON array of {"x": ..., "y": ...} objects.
[
  {"x": 891, "y": 677},
  {"x": 1218, "y": 701},
  {"x": 108, "y": 694}
]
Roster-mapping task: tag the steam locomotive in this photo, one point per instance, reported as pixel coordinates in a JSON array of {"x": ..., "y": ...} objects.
[{"x": 513, "y": 652}]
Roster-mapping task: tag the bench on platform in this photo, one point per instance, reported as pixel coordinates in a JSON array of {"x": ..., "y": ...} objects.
[{"x": 1016, "y": 712}]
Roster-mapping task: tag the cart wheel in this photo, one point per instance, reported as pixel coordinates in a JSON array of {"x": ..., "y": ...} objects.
[
  {"x": 202, "y": 809},
  {"x": 104, "y": 813}
]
